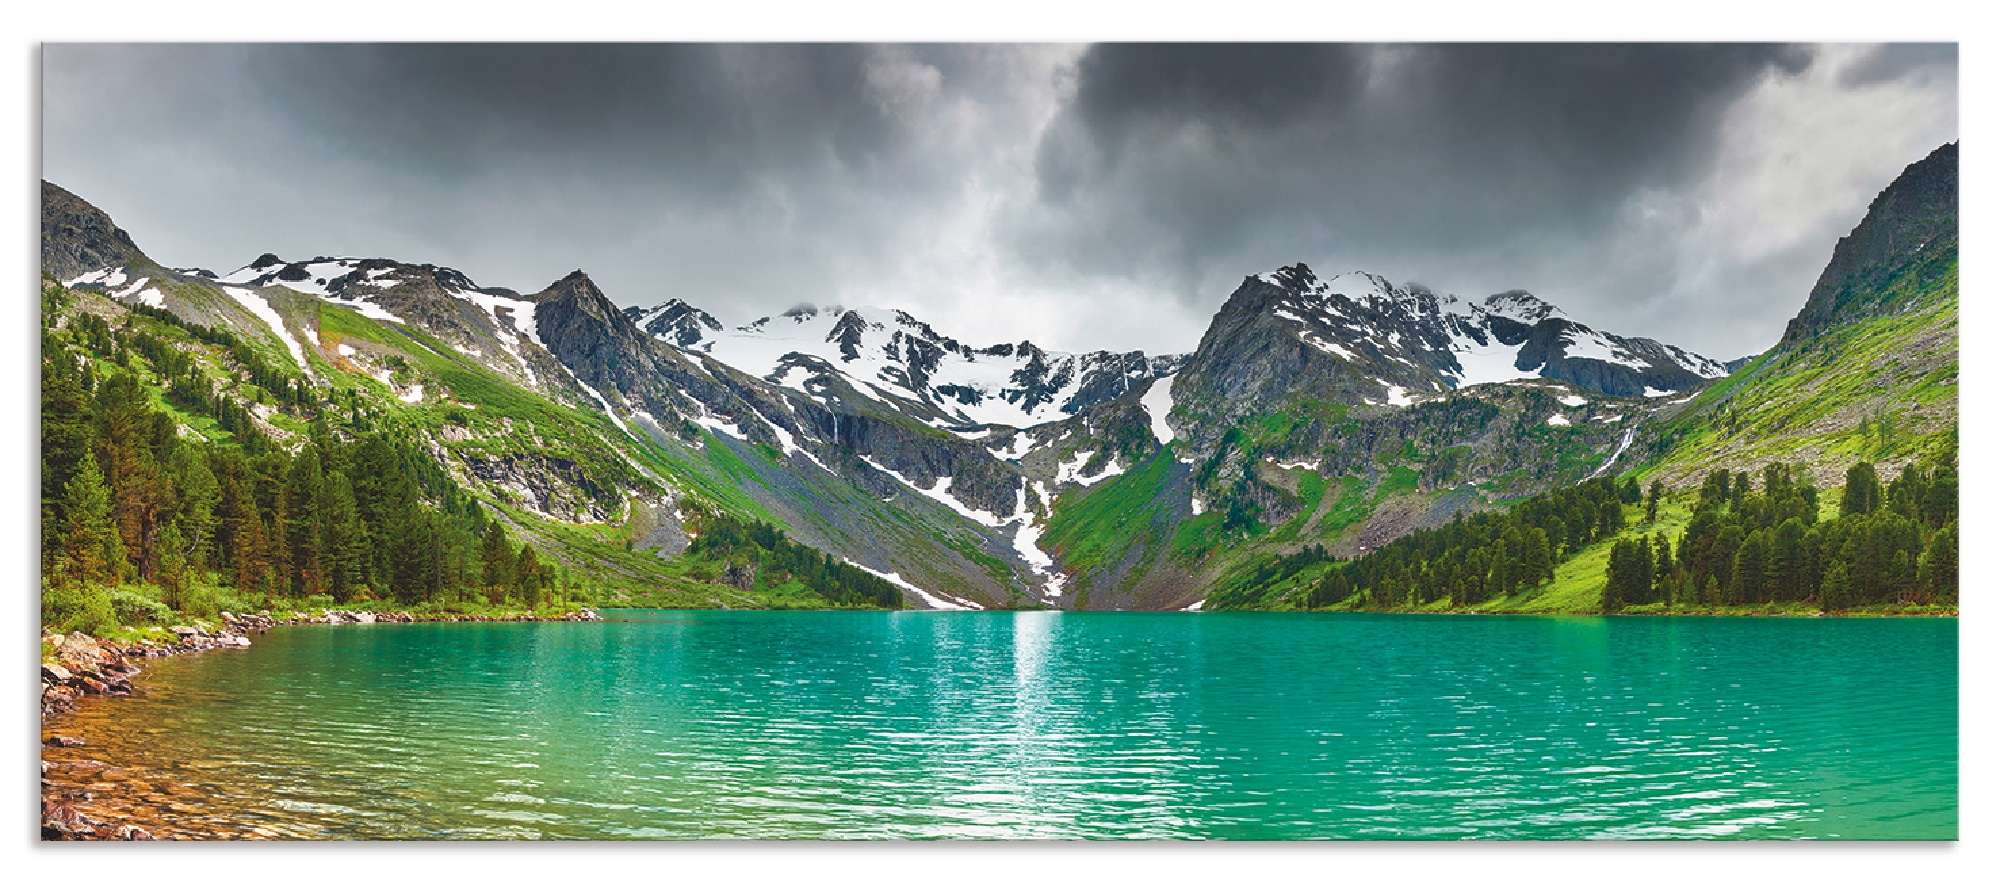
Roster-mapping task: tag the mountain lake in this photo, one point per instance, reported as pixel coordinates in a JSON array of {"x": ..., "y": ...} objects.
[{"x": 880, "y": 725}]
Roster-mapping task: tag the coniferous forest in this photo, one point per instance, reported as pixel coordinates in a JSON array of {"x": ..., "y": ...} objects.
[
  {"x": 147, "y": 522},
  {"x": 1750, "y": 541},
  {"x": 142, "y": 521},
  {"x": 1762, "y": 542}
]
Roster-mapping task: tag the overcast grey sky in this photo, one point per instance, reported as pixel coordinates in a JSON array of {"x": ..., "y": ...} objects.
[{"x": 1085, "y": 196}]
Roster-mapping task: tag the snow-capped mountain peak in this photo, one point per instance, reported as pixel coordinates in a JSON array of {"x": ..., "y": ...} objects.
[
  {"x": 1521, "y": 306},
  {"x": 903, "y": 362},
  {"x": 1409, "y": 336}
]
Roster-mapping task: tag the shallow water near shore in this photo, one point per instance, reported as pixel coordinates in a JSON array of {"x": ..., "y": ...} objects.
[{"x": 671, "y": 724}]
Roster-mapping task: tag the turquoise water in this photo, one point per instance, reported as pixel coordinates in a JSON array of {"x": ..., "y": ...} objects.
[{"x": 1041, "y": 724}]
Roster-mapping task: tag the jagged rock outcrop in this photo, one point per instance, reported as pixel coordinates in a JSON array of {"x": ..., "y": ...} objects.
[
  {"x": 1915, "y": 217},
  {"x": 1357, "y": 340},
  {"x": 79, "y": 238}
]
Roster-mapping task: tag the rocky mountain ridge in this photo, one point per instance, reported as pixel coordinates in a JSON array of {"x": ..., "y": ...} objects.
[
  {"x": 973, "y": 476},
  {"x": 897, "y": 359}
]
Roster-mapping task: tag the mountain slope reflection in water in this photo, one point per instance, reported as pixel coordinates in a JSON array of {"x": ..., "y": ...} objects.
[{"x": 1042, "y": 724}]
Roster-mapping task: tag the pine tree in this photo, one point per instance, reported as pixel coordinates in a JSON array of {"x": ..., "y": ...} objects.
[
  {"x": 93, "y": 552},
  {"x": 1863, "y": 493},
  {"x": 1784, "y": 569},
  {"x": 344, "y": 537},
  {"x": 305, "y": 524},
  {"x": 1937, "y": 570},
  {"x": 1616, "y": 574},
  {"x": 1663, "y": 567},
  {"x": 1540, "y": 558},
  {"x": 497, "y": 563},
  {"x": 1941, "y": 502},
  {"x": 192, "y": 509},
  {"x": 1747, "y": 577},
  {"x": 1653, "y": 502},
  {"x": 171, "y": 572},
  {"x": 528, "y": 577},
  {"x": 67, "y": 435},
  {"x": 1610, "y": 519},
  {"x": 1723, "y": 564},
  {"x": 1837, "y": 591}
]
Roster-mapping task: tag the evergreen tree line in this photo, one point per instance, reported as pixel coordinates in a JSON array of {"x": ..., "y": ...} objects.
[
  {"x": 129, "y": 498},
  {"x": 1473, "y": 559},
  {"x": 765, "y": 550},
  {"x": 1889, "y": 545},
  {"x": 285, "y": 385}
]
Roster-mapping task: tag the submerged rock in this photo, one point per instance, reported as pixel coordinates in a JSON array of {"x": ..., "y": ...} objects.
[{"x": 63, "y": 822}]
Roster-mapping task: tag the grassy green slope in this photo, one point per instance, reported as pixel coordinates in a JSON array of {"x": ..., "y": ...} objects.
[{"x": 1882, "y": 388}]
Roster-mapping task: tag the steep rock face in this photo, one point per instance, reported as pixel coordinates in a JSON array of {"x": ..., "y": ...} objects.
[
  {"x": 1917, "y": 213},
  {"x": 78, "y": 238},
  {"x": 676, "y": 322},
  {"x": 590, "y": 336},
  {"x": 1867, "y": 370}
]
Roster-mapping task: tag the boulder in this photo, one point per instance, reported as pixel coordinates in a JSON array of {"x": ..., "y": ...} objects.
[
  {"x": 63, "y": 822},
  {"x": 79, "y": 653},
  {"x": 130, "y": 833},
  {"x": 64, "y": 741},
  {"x": 55, "y": 673}
]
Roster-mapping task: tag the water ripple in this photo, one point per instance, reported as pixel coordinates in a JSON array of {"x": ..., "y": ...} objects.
[{"x": 1013, "y": 725}]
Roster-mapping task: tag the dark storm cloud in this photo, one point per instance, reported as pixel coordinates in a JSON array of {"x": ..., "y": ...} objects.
[
  {"x": 719, "y": 172},
  {"x": 725, "y": 112},
  {"x": 1195, "y": 157},
  {"x": 1108, "y": 195}
]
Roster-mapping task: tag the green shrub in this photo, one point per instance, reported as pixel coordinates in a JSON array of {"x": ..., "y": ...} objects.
[
  {"x": 133, "y": 608},
  {"x": 81, "y": 608},
  {"x": 198, "y": 601}
]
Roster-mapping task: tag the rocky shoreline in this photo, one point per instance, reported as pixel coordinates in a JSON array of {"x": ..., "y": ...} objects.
[{"x": 84, "y": 666}]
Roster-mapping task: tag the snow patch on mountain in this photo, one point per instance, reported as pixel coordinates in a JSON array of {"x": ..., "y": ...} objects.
[
  {"x": 1595, "y": 345},
  {"x": 1486, "y": 361},
  {"x": 261, "y": 308},
  {"x": 109, "y": 277},
  {"x": 1158, "y": 400},
  {"x": 941, "y": 491},
  {"x": 934, "y": 602},
  {"x": 720, "y": 427},
  {"x": 1398, "y": 396},
  {"x": 1071, "y": 472},
  {"x": 369, "y": 309},
  {"x": 593, "y": 393}
]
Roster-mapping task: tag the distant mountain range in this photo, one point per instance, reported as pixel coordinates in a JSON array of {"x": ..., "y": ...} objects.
[{"x": 1341, "y": 411}]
